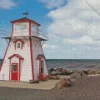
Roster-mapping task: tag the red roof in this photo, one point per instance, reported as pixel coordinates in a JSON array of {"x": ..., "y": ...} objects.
[
  {"x": 24, "y": 19},
  {"x": 16, "y": 55}
]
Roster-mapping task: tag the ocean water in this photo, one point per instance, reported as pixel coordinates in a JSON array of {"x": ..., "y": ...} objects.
[{"x": 73, "y": 64}]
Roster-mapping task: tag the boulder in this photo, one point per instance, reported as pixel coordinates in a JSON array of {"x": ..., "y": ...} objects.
[
  {"x": 85, "y": 72},
  {"x": 91, "y": 72},
  {"x": 78, "y": 74},
  {"x": 54, "y": 77},
  {"x": 53, "y": 73},
  {"x": 82, "y": 74},
  {"x": 51, "y": 69},
  {"x": 63, "y": 83},
  {"x": 97, "y": 71},
  {"x": 59, "y": 71},
  {"x": 75, "y": 75}
]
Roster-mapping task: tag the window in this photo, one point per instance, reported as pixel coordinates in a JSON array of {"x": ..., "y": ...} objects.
[
  {"x": 18, "y": 45},
  {"x": 20, "y": 26},
  {"x": 14, "y": 67},
  {"x": 34, "y": 28},
  {"x": 41, "y": 66}
]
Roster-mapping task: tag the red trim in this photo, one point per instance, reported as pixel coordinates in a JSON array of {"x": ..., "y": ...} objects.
[
  {"x": 9, "y": 69},
  {"x": 7, "y": 47},
  {"x": 31, "y": 52},
  {"x": 15, "y": 71},
  {"x": 14, "y": 64},
  {"x": 16, "y": 55},
  {"x": 39, "y": 58},
  {"x": 19, "y": 21},
  {"x": 41, "y": 75},
  {"x": 19, "y": 65},
  {"x": 24, "y": 20},
  {"x": 19, "y": 68},
  {"x": 21, "y": 41}
]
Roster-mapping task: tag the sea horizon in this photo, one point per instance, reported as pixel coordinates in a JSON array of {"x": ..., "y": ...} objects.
[{"x": 73, "y": 64}]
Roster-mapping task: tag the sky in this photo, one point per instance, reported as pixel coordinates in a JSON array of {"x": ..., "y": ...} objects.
[{"x": 72, "y": 26}]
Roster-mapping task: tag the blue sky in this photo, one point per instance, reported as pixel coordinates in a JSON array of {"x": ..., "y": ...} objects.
[{"x": 73, "y": 27}]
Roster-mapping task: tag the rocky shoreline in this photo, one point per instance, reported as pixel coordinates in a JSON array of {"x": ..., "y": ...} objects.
[
  {"x": 62, "y": 71},
  {"x": 70, "y": 76}
]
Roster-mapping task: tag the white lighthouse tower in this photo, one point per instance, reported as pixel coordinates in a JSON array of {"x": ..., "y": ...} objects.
[{"x": 24, "y": 59}]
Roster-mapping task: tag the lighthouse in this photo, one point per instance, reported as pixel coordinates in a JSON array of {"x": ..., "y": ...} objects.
[{"x": 24, "y": 59}]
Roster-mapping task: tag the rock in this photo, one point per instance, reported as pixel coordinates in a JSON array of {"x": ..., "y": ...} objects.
[
  {"x": 85, "y": 72},
  {"x": 59, "y": 71},
  {"x": 91, "y": 72},
  {"x": 78, "y": 74},
  {"x": 51, "y": 69},
  {"x": 53, "y": 73},
  {"x": 82, "y": 74},
  {"x": 63, "y": 83},
  {"x": 54, "y": 77},
  {"x": 75, "y": 75},
  {"x": 97, "y": 71}
]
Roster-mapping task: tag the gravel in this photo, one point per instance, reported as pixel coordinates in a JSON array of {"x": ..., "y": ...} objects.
[{"x": 82, "y": 89}]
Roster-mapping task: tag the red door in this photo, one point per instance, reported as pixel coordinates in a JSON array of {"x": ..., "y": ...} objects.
[{"x": 14, "y": 72}]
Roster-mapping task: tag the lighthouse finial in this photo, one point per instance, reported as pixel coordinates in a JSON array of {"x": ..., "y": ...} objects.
[{"x": 26, "y": 14}]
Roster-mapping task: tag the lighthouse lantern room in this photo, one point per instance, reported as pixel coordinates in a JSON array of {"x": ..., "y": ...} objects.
[{"x": 24, "y": 59}]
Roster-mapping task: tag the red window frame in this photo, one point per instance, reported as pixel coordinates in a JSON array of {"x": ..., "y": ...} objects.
[{"x": 19, "y": 41}]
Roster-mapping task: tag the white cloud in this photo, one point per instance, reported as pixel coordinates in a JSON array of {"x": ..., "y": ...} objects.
[
  {"x": 45, "y": 46},
  {"x": 85, "y": 40},
  {"x": 6, "y": 4},
  {"x": 53, "y": 3},
  {"x": 77, "y": 22}
]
